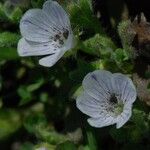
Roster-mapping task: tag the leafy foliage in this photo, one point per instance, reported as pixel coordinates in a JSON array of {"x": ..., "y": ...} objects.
[{"x": 37, "y": 104}]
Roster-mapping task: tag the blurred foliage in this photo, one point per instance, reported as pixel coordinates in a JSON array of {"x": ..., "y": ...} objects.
[
  {"x": 84, "y": 22},
  {"x": 10, "y": 122},
  {"x": 37, "y": 104}
]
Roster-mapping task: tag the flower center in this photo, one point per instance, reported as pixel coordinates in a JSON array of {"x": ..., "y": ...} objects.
[
  {"x": 118, "y": 109},
  {"x": 113, "y": 99},
  {"x": 116, "y": 106},
  {"x": 61, "y": 36}
]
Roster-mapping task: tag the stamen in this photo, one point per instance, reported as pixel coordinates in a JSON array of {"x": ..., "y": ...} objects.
[
  {"x": 113, "y": 99},
  {"x": 65, "y": 33}
]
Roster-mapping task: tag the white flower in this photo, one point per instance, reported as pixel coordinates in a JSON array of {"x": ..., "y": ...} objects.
[
  {"x": 107, "y": 98},
  {"x": 46, "y": 32}
]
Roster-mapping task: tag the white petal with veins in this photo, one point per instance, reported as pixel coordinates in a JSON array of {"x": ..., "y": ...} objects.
[
  {"x": 49, "y": 61},
  {"x": 46, "y": 31},
  {"x": 34, "y": 49},
  {"x": 107, "y": 98}
]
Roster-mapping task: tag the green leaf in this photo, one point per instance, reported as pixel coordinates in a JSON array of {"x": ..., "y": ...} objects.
[
  {"x": 86, "y": 19},
  {"x": 91, "y": 141},
  {"x": 66, "y": 146},
  {"x": 122, "y": 59},
  {"x": 33, "y": 123},
  {"x": 140, "y": 120},
  {"x": 35, "y": 86},
  {"x": 13, "y": 13},
  {"x": 16, "y": 15},
  {"x": 84, "y": 68},
  {"x": 76, "y": 91},
  {"x": 27, "y": 146},
  {"x": 120, "y": 56},
  {"x": 8, "y": 39},
  {"x": 8, "y": 53},
  {"x": 2, "y": 13},
  {"x": 120, "y": 135},
  {"x": 45, "y": 146},
  {"x": 37, "y": 3},
  {"x": 44, "y": 97},
  {"x": 10, "y": 122},
  {"x": 25, "y": 92},
  {"x": 86, "y": 147},
  {"x": 127, "y": 36},
  {"x": 52, "y": 137},
  {"x": 0, "y": 82},
  {"x": 135, "y": 131},
  {"x": 99, "y": 45},
  {"x": 141, "y": 128},
  {"x": 25, "y": 95},
  {"x": 37, "y": 124}
]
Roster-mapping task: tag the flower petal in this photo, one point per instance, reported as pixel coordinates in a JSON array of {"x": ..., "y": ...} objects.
[
  {"x": 57, "y": 14},
  {"x": 90, "y": 106},
  {"x": 34, "y": 49},
  {"x": 102, "y": 121},
  {"x": 70, "y": 42},
  {"x": 36, "y": 26},
  {"x": 49, "y": 61},
  {"x": 95, "y": 100},
  {"x": 98, "y": 84},
  {"x": 124, "y": 88},
  {"x": 124, "y": 116}
]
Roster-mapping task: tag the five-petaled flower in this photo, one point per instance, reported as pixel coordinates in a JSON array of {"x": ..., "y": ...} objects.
[
  {"x": 46, "y": 32},
  {"x": 107, "y": 98}
]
